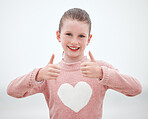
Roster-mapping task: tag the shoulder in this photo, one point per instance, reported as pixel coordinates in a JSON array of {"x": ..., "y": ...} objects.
[{"x": 104, "y": 63}]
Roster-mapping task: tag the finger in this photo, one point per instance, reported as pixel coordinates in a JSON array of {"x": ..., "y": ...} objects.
[
  {"x": 51, "y": 60},
  {"x": 54, "y": 70},
  {"x": 53, "y": 74},
  {"x": 84, "y": 64},
  {"x": 91, "y": 57},
  {"x": 85, "y": 72},
  {"x": 52, "y": 78},
  {"x": 55, "y": 67},
  {"x": 84, "y": 68},
  {"x": 87, "y": 75}
]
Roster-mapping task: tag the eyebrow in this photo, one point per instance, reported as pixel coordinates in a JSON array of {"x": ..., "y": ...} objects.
[{"x": 79, "y": 33}]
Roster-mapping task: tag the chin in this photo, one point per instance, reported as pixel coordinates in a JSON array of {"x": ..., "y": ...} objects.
[{"x": 73, "y": 56}]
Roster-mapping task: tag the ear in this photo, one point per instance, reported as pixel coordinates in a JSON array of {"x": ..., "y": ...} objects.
[
  {"x": 90, "y": 36},
  {"x": 58, "y": 36}
]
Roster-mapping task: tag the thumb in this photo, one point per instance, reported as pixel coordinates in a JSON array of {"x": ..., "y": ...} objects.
[
  {"x": 51, "y": 59},
  {"x": 91, "y": 57}
]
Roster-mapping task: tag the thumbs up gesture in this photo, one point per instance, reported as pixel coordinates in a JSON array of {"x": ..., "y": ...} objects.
[
  {"x": 91, "y": 69},
  {"x": 49, "y": 72}
]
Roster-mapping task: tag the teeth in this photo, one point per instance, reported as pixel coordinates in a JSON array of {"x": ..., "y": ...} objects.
[{"x": 73, "y": 48}]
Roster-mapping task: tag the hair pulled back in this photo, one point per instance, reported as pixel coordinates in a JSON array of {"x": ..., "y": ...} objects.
[{"x": 76, "y": 14}]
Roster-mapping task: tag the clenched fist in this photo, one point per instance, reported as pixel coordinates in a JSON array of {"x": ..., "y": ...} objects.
[
  {"x": 49, "y": 72},
  {"x": 91, "y": 69}
]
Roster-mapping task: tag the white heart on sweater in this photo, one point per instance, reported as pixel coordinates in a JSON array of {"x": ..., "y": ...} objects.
[{"x": 75, "y": 97}]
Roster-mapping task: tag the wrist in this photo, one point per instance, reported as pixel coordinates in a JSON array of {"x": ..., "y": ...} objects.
[
  {"x": 38, "y": 76},
  {"x": 100, "y": 73}
]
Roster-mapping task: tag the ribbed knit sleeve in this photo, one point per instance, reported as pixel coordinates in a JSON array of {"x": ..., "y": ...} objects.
[
  {"x": 115, "y": 80},
  {"x": 25, "y": 85}
]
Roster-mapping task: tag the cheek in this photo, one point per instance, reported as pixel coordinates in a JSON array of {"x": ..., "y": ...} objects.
[
  {"x": 64, "y": 41},
  {"x": 83, "y": 45},
  {"x": 84, "y": 42}
]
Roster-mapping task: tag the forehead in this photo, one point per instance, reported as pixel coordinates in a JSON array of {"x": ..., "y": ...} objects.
[{"x": 75, "y": 25}]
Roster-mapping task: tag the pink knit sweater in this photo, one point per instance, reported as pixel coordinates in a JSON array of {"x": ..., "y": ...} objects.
[{"x": 72, "y": 96}]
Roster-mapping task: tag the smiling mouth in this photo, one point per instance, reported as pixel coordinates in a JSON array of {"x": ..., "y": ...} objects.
[{"x": 73, "y": 48}]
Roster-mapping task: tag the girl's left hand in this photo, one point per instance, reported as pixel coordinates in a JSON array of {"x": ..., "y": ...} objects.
[{"x": 91, "y": 69}]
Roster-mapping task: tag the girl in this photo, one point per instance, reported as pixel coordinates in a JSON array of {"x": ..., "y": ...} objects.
[{"x": 75, "y": 87}]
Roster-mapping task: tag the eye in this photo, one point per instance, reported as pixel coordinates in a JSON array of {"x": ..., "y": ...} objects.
[
  {"x": 81, "y": 36},
  {"x": 68, "y": 34}
]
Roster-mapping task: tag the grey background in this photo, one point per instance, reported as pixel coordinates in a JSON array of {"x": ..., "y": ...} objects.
[{"x": 27, "y": 41}]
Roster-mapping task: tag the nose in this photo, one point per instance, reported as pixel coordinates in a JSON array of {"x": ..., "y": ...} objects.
[{"x": 74, "y": 41}]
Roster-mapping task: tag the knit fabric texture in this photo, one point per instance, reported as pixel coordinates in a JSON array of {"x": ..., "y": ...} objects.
[{"x": 72, "y": 96}]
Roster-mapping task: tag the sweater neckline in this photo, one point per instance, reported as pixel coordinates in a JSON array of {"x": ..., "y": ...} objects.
[{"x": 72, "y": 66}]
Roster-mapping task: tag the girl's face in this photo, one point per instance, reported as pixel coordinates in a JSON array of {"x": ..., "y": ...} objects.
[{"x": 74, "y": 37}]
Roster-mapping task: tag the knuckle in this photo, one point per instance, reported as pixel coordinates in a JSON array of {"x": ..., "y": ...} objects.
[
  {"x": 48, "y": 65},
  {"x": 50, "y": 69},
  {"x": 49, "y": 74}
]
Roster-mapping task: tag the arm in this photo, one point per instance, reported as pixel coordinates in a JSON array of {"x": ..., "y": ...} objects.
[
  {"x": 110, "y": 77},
  {"x": 115, "y": 80},
  {"x": 25, "y": 85},
  {"x": 33, "y": 82}
]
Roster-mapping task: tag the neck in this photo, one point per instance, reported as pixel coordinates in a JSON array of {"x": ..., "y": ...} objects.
[
  {"x": 72, "y": 59},
  {"x": 71, "y": 66}
]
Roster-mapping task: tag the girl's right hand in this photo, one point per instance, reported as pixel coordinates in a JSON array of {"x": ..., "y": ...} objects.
[{"x": 49, "y": 72}]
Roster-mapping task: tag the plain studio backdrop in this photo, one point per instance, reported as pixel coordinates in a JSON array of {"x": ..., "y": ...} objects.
[{"x": 28, "y": 39}]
